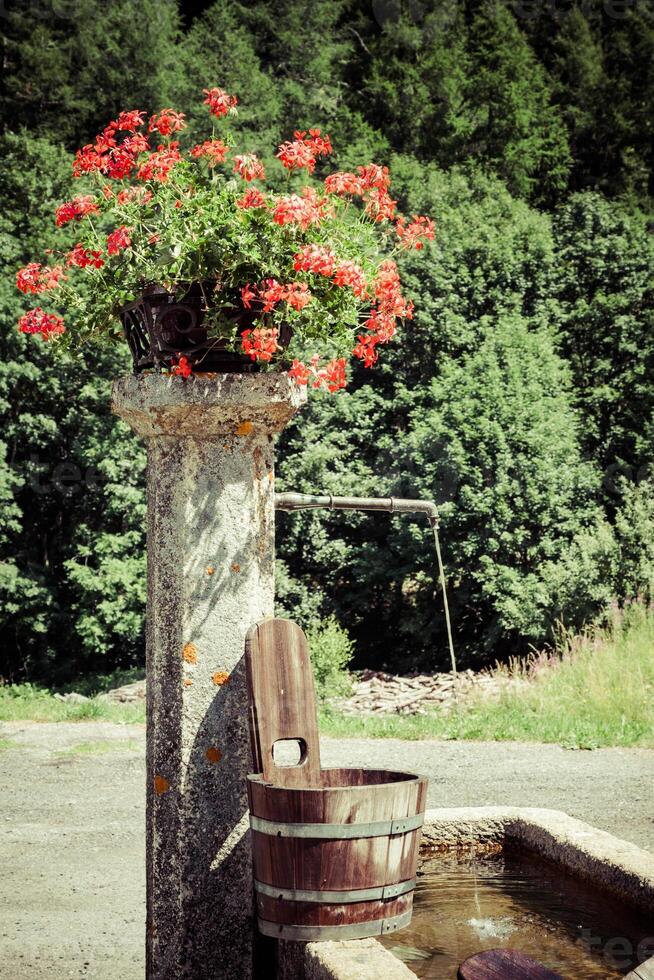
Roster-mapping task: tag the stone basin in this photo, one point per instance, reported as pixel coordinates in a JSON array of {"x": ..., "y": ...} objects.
[{"x": 613, "y": 878}]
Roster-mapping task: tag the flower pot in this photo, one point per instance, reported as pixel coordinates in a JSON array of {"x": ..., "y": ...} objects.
[{"x": 160, "y": 326}]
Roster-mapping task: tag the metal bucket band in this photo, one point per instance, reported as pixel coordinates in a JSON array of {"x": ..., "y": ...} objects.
[
  {"x": 336, "y": 897},
  {"x": 356, "y": 930},
  {"x": 337, "y": 831}
]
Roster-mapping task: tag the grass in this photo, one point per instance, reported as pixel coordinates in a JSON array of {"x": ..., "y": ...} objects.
[
  {"x": 100, "y": 748},
  {"x": 27, "y": 702},
  {"x": 596, "y": 690}
]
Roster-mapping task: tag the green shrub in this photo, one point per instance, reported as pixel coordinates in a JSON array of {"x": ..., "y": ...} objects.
[{"x": 331, "y": 652}]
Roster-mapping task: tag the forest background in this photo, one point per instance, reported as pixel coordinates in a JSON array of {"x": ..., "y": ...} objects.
[{"x": 521, "y": 398}]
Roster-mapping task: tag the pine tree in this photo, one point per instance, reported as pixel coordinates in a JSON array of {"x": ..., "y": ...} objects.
[{"x": 69, "y": 69}]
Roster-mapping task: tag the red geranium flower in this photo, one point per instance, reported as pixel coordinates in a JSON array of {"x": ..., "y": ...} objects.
[
  {"x": 414, "y": 234},
  {"x": 167, "y": 122},
  {"x": 300, "y": 372},
  {"x": 38, "y": 321},
  {"x": 247, "y": 295},
  {"x": 219, "y": 102},
  {"x": 118, "y": 240},
  {"x": 82, "y": 257},
  {"x": 271, "y": 294},
  {"x": 159, "y": 164},
  {"x": 315, "y": 258},
  {"x": 214, "y": 150},
  {"x": 260, "y": 343},
  {"x": 379, "y": 205},
  {"x": 128, "y": 121},
  {"x": 249, "y": 167},
  {"x": 76, "y": 209},
  {"x": 350, "y": 274},
  {"x": 343, "y": 183},
  {"x": 373, "y": 175},
  {"x": 183, "y": 367},
  {"x": 332, "y": 376},
  {"x": 297, "y": 295},
  {"x": 252, "y": 198}
]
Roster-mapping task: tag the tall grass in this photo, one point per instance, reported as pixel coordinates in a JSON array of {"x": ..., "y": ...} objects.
[{"x": 596, "y": 689}]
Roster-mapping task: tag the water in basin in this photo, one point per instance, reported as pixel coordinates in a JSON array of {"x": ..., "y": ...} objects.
[{"x": 465, "y": 904}]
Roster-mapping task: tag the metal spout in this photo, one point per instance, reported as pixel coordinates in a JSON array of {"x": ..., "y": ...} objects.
[{"x": 390, "y": 505}]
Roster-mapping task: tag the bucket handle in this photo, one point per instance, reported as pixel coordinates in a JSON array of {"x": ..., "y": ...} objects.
[{"x": 282, "y": 702}]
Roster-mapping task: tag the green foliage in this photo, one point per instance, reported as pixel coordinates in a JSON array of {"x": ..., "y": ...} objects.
[
  {"x": 331, "y": 653},
  {"x": 496, "y": 443},
  {"x": 634, "y": 525},
  {"x": 451, "y": 91},
  {"x": 605, "y": 287},
  {"x": 29, "y": 702},
  {"x": 71, "y": 502}
]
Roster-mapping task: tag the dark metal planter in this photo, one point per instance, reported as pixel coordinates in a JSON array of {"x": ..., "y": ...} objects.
[{"x": 160, "y": 326}]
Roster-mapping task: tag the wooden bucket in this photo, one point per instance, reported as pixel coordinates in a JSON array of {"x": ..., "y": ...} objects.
[{"x": 334, "y": 850}]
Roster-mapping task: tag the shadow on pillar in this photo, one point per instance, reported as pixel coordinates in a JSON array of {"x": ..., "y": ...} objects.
[{"x": 217, "y": 906}]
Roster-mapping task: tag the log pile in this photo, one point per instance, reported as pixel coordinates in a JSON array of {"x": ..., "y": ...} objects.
[{"x": 375, "y": 692}]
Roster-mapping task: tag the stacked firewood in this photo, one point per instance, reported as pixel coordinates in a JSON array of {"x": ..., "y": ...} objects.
[{"x": 375, "y": 692}]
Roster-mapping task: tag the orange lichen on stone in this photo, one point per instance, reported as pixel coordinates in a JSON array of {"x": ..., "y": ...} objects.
[
  {"x": 220, "y": 678},
  {"x": 190, "y": 653},
  {"x": 244, "y": 429},
  {"x": 161, "y": 785},
  {"x": 271, "y": 476},
  {"x": 213, "y": 754},
  {"x": 210, "y": 569},
  {"x": 236, "y": 567},
  {"x": 187, "y": 682}
]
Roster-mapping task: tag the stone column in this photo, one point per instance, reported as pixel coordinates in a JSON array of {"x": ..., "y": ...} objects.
[{"x": 210, "y": 576}]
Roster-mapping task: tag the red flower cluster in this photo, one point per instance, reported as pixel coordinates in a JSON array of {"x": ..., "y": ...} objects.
[
  {"x": 83, "y": 257},
  {"x": 271, "y": 292},
  {"x": 372, "y": 183},
  {"x": 389, "y": 306},
  {"x": 249, "y": 167},
  {"x": 323, "y": 262},
  {"x": 134, "y": 194},
  {"x": 219, "y": 102},
  {"x": 315, "y": 258},
  {"x": 343, "y": 183},
  {"x": 260, "y": 343},
  {"x": 214, "y": 150},
  {"x": 38, "y": 321},
  {"x": 331, "y": 376},
  {"x": 159, "y": 164},
  {"x": 37, "y": 278},
  {"x": 252, "y": 198},
  {"x": 107, "y": 155},
  {"x": 350, "y": 274},
  {"x": 183, "y": 368},
  {"x": 118, "y": 240},
  {"x": 414, "y": 234},
  {"x": 167, "y": 122},
  {"x": 76, "y": 209},
  {"x": 302, "y": 210},
  {"x": 302, "y": 151}
]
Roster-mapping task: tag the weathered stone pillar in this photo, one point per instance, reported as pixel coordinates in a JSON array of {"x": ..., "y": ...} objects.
[{"x": 210, "y": 576}]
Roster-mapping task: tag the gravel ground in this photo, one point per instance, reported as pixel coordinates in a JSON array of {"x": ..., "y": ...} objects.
[{"x": 71, "y": 812}]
